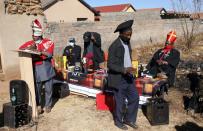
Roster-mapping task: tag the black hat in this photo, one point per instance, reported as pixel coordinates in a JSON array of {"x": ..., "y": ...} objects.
[
  {"x": 124, "y": 26},
  {"x": 87, "y": 36},
  {"x": 71, "y": 40}
]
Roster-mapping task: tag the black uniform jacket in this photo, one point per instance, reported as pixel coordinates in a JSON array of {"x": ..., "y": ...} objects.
[
  {"x": 173, "y": 59},
  {"x": 116, "y": 62},
  {"x": 73, "y": 54},
  {"x": 98, "y": 54}
]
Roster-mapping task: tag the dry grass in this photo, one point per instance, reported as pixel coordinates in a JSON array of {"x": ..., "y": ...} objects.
[{"x": 145, "y": 53}]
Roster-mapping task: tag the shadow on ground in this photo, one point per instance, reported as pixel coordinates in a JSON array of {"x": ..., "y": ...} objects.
[{"x": 188, "y": 126}]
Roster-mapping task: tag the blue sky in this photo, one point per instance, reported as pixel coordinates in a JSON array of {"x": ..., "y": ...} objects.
[{"x": 138, "y": 4}]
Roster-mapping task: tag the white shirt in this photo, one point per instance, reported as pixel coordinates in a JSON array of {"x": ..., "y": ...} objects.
[{"x": 127, "y": 58}]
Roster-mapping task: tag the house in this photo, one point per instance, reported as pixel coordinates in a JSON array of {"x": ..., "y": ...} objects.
[
  {"x": 173, "y": 14},
  {"x": 197, "y": 16},
  {"x": 115, "y": 8},
  {"x": 15, "y": 30},
  {"x": 68, "y": 11}
]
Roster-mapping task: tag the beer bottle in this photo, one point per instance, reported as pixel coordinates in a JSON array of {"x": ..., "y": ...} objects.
[{"x": 140, "y": 73}]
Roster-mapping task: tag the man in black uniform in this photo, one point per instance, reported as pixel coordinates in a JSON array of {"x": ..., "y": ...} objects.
[
  {"x": 72, "y": 52},
  {"x": 93, "y": 54},
  {"x": 166, "y": 59},
  {"x": 120, "y": 77}
]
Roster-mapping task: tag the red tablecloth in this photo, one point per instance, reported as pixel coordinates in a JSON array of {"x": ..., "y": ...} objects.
[{"x": 146, "y": 86}]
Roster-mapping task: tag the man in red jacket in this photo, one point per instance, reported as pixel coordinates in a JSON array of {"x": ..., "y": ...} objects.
[{"x": 43, "y": 68}]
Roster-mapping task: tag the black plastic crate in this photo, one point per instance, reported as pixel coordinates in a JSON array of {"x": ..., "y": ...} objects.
[
  {"x": 157, "y": 111},
  {"x": 16, "y": 116}
]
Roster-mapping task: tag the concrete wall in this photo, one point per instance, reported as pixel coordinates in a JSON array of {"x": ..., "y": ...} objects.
[
  {"x": 145, "y": 31},
  {"x": 1, "y": 12},
  {"x": 68, "y": 11},
  {"x": 14, "y": 31},
  {"x": 138, "y": 15},
  {"x": 148, "y": 28},
  {"x": 1, "y": 7},
  {"x": 1, "y": 70}
]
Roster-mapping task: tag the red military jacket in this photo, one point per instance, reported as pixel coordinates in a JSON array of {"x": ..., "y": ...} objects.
[{"x": 45, "y": 45}]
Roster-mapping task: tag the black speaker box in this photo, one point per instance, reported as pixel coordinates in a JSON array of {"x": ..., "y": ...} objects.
[
  {"x": 19, "y": 90},
  {"x": 16, "y": 116},
  {"x": 157, "y": 111},
  {"x": 60, "y": 90}
]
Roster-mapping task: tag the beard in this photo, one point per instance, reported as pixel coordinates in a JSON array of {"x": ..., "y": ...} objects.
[{"x": 126, "y": 40}]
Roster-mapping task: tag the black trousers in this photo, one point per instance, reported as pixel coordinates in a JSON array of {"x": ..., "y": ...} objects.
[
  {"x": 126, "y": 90},
  {"x": 48, "y": 92}
]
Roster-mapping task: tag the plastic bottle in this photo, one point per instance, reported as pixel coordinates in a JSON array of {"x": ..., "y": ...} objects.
[{"x": 13, "y": 96}]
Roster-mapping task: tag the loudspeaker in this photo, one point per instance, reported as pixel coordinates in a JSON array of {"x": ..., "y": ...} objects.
[
  {"x": 16, "y": 116},
  {"x": 19, "y": 92},
  {"x": 157, "y": 111},
  {"x": 60, "y": 90}
]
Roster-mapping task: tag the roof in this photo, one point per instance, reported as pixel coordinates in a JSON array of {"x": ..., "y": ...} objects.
[
  {"x": 89, "y": 7},
  {"x": 113, "y": 8},
  {"x": 173, "y": 14},
  {"x": 48, "y": 3},
  {"x": 201, "y": 15},
  {"x": 197, "y": 16}
]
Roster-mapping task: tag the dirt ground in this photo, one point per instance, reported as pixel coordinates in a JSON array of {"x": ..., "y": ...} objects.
[{"x": 77, "y": 113}]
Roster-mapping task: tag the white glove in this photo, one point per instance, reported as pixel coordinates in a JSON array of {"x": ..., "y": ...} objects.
[{"x": 84, "y": 60}]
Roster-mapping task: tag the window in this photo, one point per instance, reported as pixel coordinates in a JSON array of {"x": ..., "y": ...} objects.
[
  {"x": 61, "y": 21},
  {"x": 97, "y": 18},
  {"x": 201, "y": 21},
  {"x": 81, "y": 19}
]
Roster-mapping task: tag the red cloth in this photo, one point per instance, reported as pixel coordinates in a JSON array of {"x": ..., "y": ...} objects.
[
  {"x": 88, "y": 81},
  {"x": 89, "y": 57},
  {"x": 166, "y": 50},
  {"x": 45, "y": 45},
  {"x": 171, "y": 37},
  {"x": 140, "y": 84},
  {"x": 37, "y": 24}
]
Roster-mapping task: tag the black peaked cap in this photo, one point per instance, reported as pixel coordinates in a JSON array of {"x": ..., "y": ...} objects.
[{"x": 124, "y": 26}]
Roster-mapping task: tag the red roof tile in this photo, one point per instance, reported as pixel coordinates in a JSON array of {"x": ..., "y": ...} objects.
[{"x": 113, "y": 8}]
